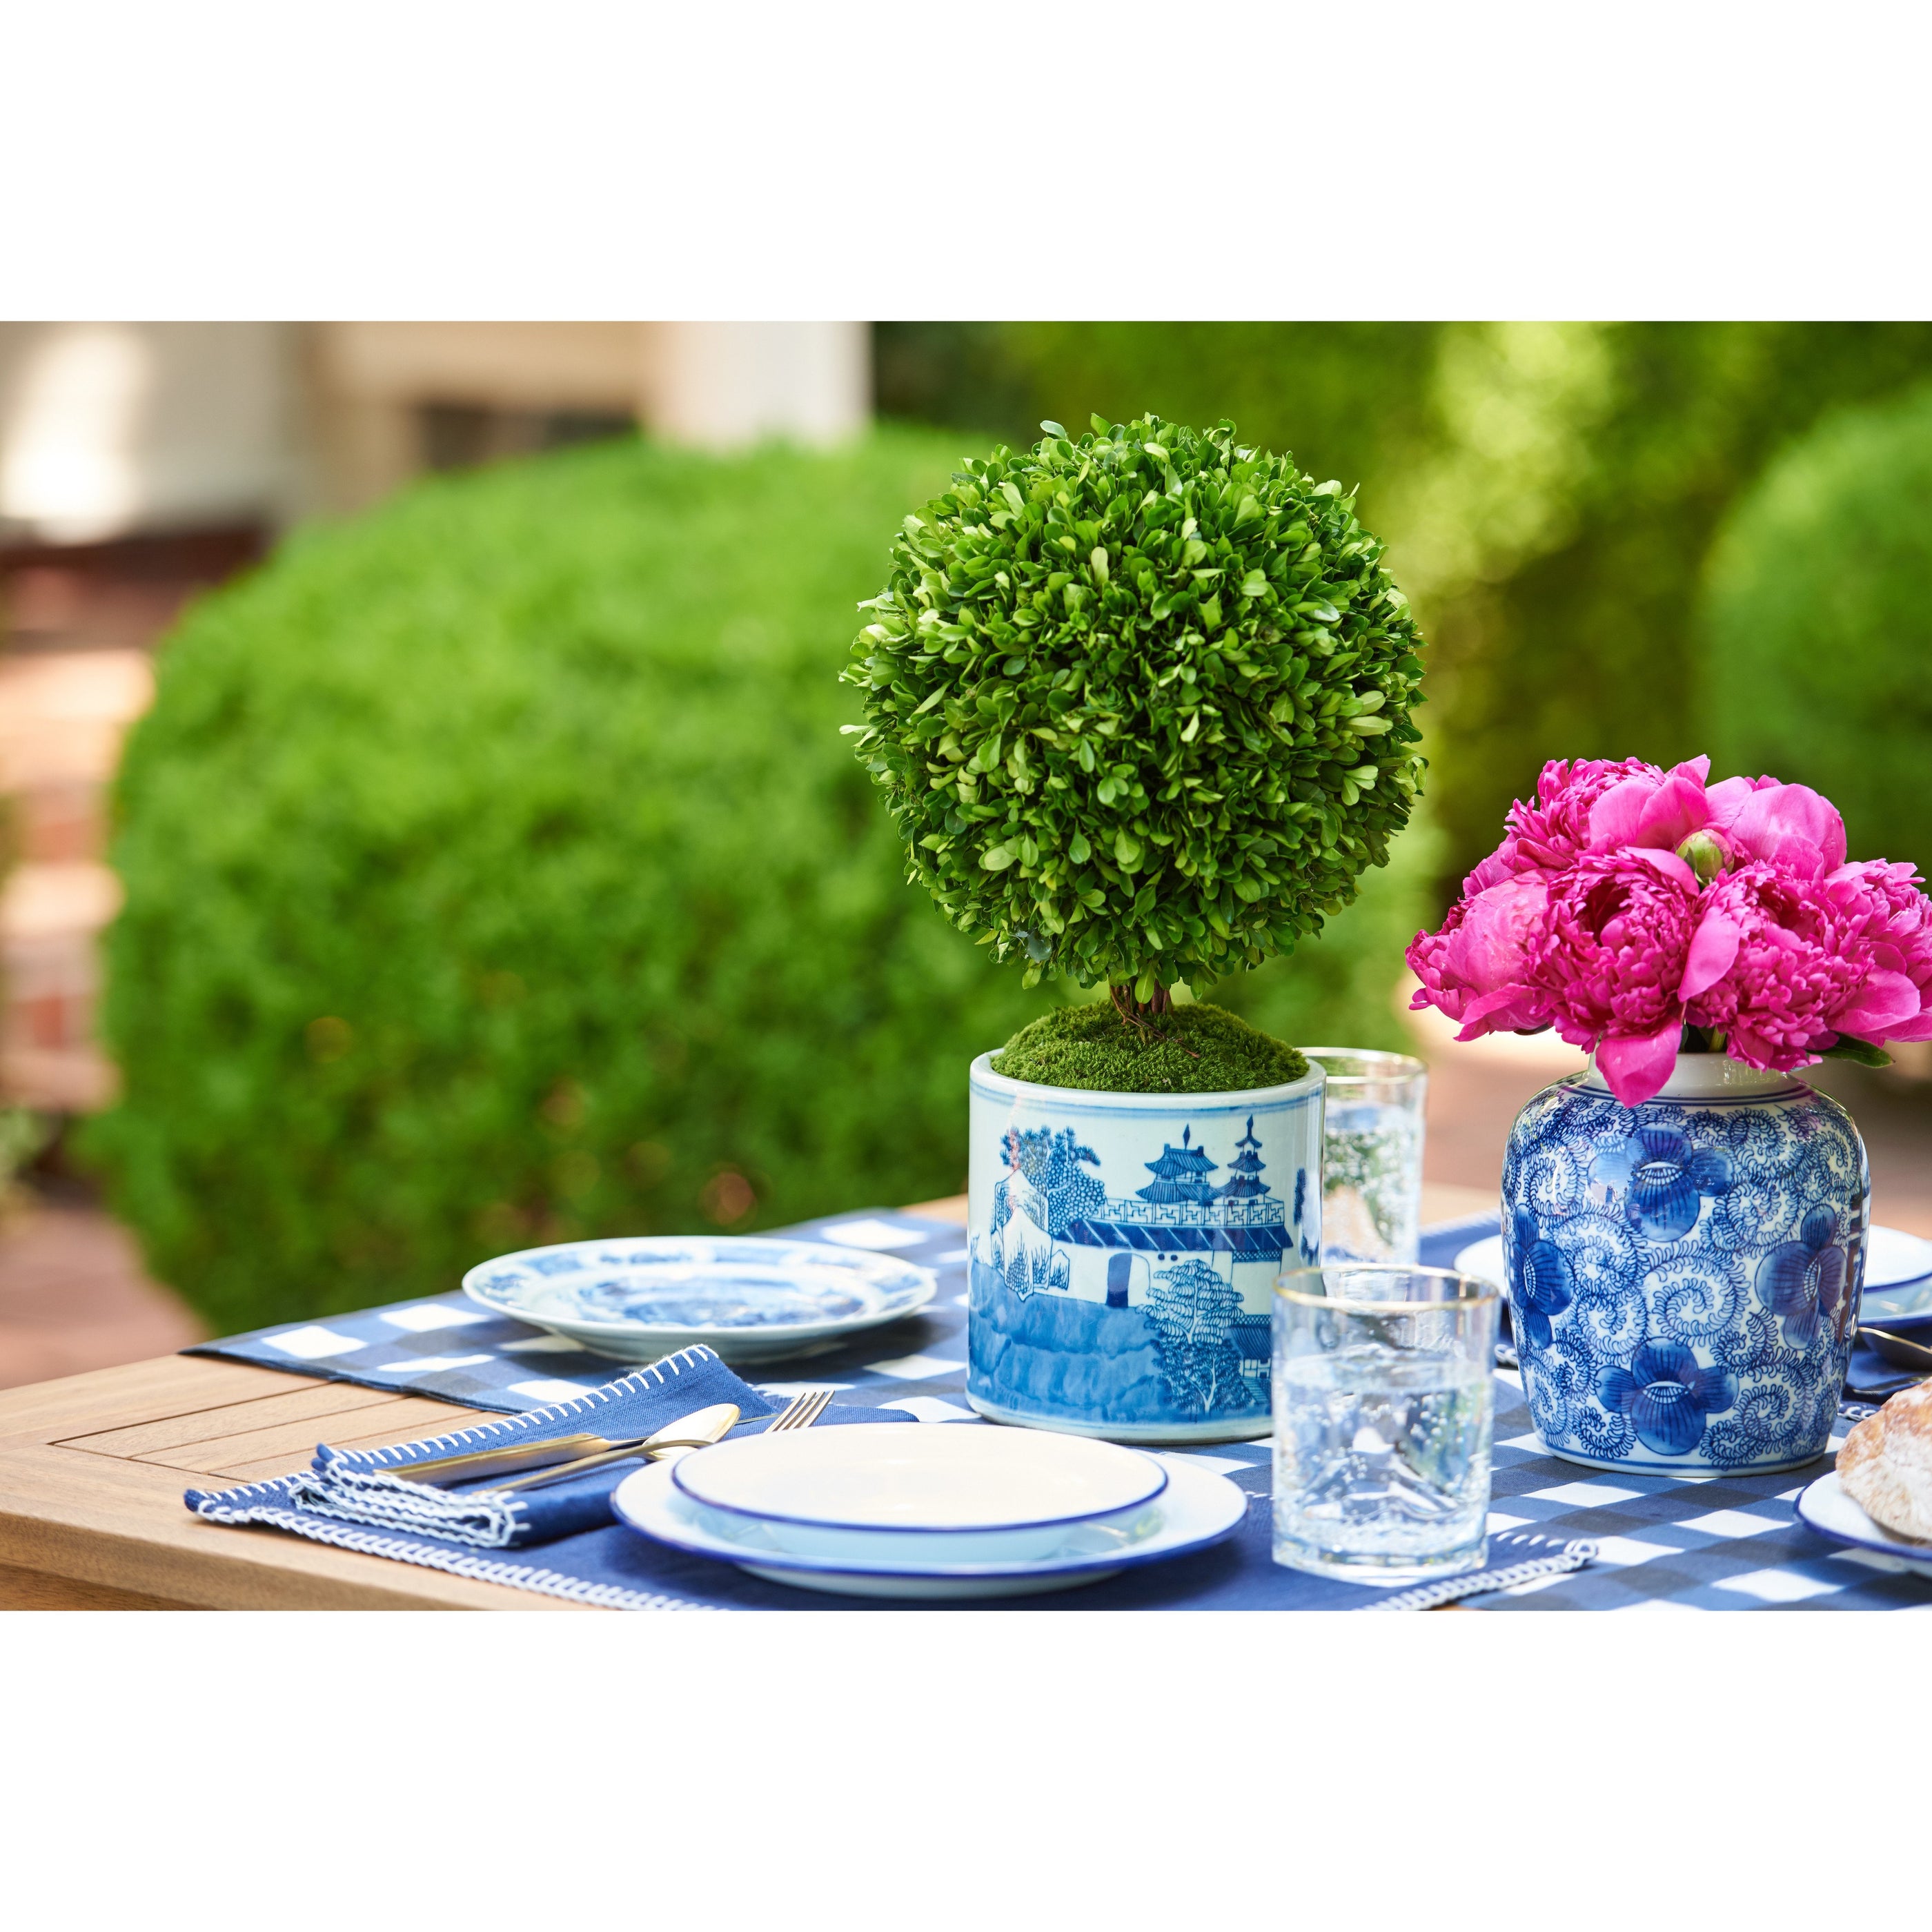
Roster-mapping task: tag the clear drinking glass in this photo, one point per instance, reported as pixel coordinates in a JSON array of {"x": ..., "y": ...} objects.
[
  {"x": 1384, "y": 1402},
  {"x": 1371, "y": 1153}
]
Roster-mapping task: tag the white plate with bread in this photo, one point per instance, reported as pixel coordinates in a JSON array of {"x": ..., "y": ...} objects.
[{"x": 1879, "y": 1496}]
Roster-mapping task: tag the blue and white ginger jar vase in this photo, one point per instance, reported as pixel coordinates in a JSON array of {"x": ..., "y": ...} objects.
[
  {"x": 1123, "y": 1252},
  {"x": 1684, "y": 1275}
]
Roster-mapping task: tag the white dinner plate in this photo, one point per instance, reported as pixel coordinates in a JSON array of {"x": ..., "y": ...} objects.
[
  {"x": 1898, "y": 1270},
  {"x": 751, "y": 1300},
  {"x": 1824, "y": 1506},
  {"x": 910, "y": 1476},
  {"x": 1195, "y": 1509}
]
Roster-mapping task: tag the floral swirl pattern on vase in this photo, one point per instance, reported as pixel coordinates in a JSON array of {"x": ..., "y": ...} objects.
[{"x": 1684, "y": 1275}]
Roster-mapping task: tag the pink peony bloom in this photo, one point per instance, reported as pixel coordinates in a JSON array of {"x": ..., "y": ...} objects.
[
  {"x": 1783, "y": 966},
  {"x": 1610, "y": 957},
  {"x": 1785, "y": 825},
  {"x": 1651, "y": 807},
  {"x": 1897, "y": 922},
  {"x": 1589, "y": 917},
  {"x": 1555, "y": 830},
  {"x": 1474, "y": 968},
  {"x": 1598, "y": 805}
]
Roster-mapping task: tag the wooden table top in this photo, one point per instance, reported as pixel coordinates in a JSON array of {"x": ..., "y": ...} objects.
[{"x": 92, "y": 1468}]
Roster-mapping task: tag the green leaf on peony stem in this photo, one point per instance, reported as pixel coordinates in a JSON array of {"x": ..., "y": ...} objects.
[{"x": 1861, "y": 1051}]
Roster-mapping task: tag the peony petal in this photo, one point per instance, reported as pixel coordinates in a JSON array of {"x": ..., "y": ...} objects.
[
  {"x": 1697, "y": 768},
  {"x": 1885, "y": 1001},
  {"x": 1713, "y": 945},
  {"x": 1668, "y": 863},
  {"x": 1486, "y": 951},
  {"x": 1508, "y": 1009},
  {"x": 1648, "y": 808},
  {"x": 1616, "y": 816},
  {"x": 1635, "y": 1069},
  {"x": 1677, "y": 808},
  {"x": 1727, "y": 799},
  {"x": 1791, "y": 825}
]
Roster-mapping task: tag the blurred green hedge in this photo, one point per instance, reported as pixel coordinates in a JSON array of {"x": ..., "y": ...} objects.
[
  {"x": 496, "y": 874},
  {"x": 1817, "y": 630}
]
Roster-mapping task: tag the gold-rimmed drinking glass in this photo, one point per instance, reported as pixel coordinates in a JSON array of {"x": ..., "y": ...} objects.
[{"x": 1384, "y": 1406}]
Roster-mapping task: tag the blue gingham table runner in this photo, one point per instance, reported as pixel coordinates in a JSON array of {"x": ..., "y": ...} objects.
[{"x": 1664, "y": 1542}]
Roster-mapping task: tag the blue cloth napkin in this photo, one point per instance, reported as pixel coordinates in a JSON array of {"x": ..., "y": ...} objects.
[{"x": 360, "y": 1487}]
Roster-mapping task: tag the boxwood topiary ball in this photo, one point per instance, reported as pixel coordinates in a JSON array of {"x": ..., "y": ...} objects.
[{"x": 1140, "y": 703}]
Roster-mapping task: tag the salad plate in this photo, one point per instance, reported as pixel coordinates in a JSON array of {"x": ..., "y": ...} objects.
[
  {"x": 752, "y": 1300},
  {"x": 1195, "y": 1509},
  {"x": 1824, "y": 1506},
  {"x": 910, "y": 1490}
]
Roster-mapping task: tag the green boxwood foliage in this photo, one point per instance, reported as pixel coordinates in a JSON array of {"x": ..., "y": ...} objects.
[
  {"x": 1140, "y": 703},
  {"x": 1816, "y": 630},
  {"x": 495, "y": 874}
]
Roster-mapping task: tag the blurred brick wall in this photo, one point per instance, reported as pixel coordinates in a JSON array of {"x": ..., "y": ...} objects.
[{"x": 80, "y": 622}]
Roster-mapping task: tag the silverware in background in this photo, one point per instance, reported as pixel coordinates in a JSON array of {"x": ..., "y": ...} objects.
[{"x": 1900, "y": 1350}]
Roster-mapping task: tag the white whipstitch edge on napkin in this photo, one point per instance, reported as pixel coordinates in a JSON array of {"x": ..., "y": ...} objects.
[
  {"x": 483, "y": 1570},
  {"x": 1573, "y": 1555},
  {"x": 500, "y": 1425},
  {"x": 251, "y": 1504}
]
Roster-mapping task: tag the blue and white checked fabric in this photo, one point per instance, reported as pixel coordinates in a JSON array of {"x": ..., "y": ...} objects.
[{"x": 1663, "y": 1542}]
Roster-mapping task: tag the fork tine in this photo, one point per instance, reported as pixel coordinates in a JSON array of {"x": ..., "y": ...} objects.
[
  {"x": 783, "y": 1419},
  {"x": 803, "y": 1410}
]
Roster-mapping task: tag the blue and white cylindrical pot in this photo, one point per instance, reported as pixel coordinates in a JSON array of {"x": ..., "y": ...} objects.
[
  {"x": 1684, "y": 1275},
  {"x": 1124, "y": 1248}
]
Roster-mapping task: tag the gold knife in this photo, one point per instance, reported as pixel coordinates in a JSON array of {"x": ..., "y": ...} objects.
[
  {"x": 698, "y": 1430},
  {"x": 506, "y": 1460},
  {"x": 552, "y": 1450}
]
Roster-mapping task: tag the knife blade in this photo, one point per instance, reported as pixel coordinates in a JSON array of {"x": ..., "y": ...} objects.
[
  {"x": 698, "y": 1430},
  {"x": 506, "y": 1460}
]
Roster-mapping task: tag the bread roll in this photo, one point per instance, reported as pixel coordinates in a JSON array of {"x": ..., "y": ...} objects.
[{"x": 1886, "y": 1466}]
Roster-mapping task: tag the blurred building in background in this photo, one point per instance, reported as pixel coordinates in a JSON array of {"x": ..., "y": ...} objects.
[{"x": 142, "y": 462}]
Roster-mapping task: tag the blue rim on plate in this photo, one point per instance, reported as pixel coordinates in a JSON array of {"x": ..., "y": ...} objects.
[
  {"x": 752, "y": 1298},
  {"x": 1823, "y": 1506},
  {"x": 1199, "y": 1509},
  {"x": 1146, "y": 1478}
]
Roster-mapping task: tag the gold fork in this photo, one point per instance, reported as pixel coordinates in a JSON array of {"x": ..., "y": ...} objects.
[{"x": 802, "y": 1411}]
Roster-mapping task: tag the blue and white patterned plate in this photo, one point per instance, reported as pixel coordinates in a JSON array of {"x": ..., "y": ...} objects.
[
  {"x": 751, "y": 1300},
  {"x": 1824, "y": 1506},
  {"x": 1196, "y": 1509}
]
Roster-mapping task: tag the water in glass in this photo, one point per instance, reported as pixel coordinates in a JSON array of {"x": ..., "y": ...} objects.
[
  {"x": 1384, "y": 1407},
  {"x": 1381, "y": 1460}
]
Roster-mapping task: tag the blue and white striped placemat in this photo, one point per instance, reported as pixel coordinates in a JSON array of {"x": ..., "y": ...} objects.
[{"x": 1664, "y": 1542}]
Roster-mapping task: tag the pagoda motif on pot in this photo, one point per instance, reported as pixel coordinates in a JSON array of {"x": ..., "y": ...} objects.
[{"x": 1142, "y": 1310}]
